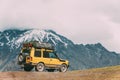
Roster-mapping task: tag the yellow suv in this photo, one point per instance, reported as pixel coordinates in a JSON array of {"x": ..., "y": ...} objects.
[{"x": 41, "y": 56}]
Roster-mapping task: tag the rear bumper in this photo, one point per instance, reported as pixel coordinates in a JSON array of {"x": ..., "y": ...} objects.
[{"x": 24, "y": 63}]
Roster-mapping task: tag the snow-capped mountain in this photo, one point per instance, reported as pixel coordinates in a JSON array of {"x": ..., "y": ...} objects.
[{"x": 80, "y": 56}]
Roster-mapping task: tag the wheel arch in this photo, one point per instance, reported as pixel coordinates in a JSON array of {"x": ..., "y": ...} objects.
[
  {"x": 41, "y": 62},
  {"x": 65, "y": 64}
]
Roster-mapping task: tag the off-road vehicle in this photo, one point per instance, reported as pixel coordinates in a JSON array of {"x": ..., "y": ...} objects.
[{"x": 42, "y": 56}]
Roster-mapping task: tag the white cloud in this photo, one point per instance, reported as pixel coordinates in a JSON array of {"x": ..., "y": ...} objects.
[{"x": 83, "y": 21}]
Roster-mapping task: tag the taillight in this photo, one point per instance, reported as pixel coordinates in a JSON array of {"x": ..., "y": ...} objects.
[{"x": 29, "y": 58}]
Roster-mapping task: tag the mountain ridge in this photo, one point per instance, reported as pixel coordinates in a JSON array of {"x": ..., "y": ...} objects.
[{"x": 80, "y": 56}]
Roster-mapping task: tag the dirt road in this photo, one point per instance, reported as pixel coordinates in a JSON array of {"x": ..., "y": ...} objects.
[{"x": 107, "y": 73}]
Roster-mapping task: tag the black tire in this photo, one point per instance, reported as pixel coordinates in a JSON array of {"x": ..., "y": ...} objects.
[
  {"x": 63, "y": 68},
  {"x": 40, "y": 67},
  {"x": 50, "y": 70},
  {"x": 28, "y": 67}
]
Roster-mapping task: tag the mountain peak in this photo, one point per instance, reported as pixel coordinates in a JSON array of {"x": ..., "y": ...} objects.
[
  {"x": 17, "y": 37},
  {"x": 96, "y": 46},
  {"x": 100, "y": 46}
]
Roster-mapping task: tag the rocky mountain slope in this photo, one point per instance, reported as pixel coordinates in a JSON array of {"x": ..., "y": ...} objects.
[{"x": 80, "y": 56}]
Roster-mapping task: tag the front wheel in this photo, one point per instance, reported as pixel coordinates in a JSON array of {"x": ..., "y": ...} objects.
[
  {"x": 40, "y": 67},
  {"x": 63, "y": 68}
]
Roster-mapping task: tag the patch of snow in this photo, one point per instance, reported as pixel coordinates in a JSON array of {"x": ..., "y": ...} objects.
[
  {"x": 58, "y": 38},
  {"x": 34, "y": 34},
  {"x": 53, "y": 41},
  {"x": 1, "y": 44}
]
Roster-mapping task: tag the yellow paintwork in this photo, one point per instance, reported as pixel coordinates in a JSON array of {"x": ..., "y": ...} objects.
[{"x": 50, "y": 62}]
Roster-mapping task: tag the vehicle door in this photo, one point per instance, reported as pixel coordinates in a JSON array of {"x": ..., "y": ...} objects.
[
  {"x": 46, "y": 58},
  {"x": 37, "y": 56},
  {"x": 54, "y": 61}
]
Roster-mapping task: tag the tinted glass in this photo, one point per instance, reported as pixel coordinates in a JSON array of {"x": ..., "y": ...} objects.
[
  {"x": 52, "y": 55},
  {"x": 37, "y": 54},
  {"x": 45, "y": 54}
]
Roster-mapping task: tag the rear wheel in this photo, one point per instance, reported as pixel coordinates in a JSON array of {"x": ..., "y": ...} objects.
[
  {"x": 40, "y": 67},
  {"x": 28, "y": 67},
  {"x": 63, "y": 68}
]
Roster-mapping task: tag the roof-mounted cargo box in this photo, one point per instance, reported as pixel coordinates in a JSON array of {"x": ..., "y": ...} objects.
[{"x": 38, "y": 44}]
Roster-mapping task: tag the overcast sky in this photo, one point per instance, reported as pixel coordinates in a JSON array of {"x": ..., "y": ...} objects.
[{"x": 82, "y": 21}]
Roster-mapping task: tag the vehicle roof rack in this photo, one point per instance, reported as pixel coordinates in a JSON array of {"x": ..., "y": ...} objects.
[{"x": 37, "y": 44}]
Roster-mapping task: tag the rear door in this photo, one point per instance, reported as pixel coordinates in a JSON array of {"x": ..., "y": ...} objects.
[
  {"x": 46, "y": 58},
  {"x": 37, "y": 56}
]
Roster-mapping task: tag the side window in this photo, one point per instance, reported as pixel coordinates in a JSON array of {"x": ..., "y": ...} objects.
[
  {"x": 37, "y": 54},
  {"x": 52, "y": 55},
  {"x": 45, "y": 54}
]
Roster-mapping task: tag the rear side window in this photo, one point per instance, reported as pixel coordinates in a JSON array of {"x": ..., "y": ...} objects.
[
  {"x": 45, "y": 54},
  {"x": 37, "y": 54}
]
